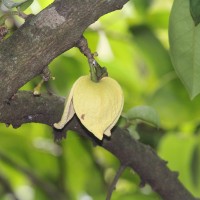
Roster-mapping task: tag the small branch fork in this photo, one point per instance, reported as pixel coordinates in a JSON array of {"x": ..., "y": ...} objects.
[
  {"x": 97, "y": 72},
  {"x": 46, "y": 76}
]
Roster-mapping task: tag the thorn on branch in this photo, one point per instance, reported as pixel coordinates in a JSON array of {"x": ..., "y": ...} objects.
[{"x": 16, "y": 125}]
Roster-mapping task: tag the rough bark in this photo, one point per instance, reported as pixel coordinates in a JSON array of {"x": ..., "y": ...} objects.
[
  {"x": 31, "y": 48},
  {"x": 45, "y": 36}
]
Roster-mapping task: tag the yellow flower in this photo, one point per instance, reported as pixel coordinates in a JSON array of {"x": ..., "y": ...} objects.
[{"x": 97, "y": 105}]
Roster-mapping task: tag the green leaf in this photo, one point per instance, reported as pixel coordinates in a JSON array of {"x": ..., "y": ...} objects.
[
  {"x": 185, "y": 46},
  {"x": 25, "y": 5},
  {"x": 145, "y": 113},
  {"x": 195, "y": 11}
]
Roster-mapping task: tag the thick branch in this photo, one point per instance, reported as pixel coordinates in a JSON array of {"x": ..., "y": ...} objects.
[
  {"x": 48, "y": 108},
  {"x": 45, "y": 36}
]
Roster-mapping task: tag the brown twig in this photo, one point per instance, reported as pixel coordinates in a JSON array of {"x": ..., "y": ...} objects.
[
  {"x": 97, "y": 72},
  {"x": 115, "y": 180},
  {"x": 82, "y": 44}
]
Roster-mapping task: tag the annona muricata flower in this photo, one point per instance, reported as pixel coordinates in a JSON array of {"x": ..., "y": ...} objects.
[{"x": 97, "y": 105}]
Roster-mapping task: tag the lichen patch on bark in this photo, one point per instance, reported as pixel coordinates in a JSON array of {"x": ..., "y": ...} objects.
[{"x": 49, "y": 18}]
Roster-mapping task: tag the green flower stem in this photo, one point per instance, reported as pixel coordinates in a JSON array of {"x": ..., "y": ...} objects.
[
  {"x": 93, "y": 74},
  {"x": 96, "y": 71}
]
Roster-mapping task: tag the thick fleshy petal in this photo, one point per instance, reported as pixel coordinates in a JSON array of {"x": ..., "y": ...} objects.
[
  {"x": 68, "y": 112},
  {"x": 98, "y": 105}
]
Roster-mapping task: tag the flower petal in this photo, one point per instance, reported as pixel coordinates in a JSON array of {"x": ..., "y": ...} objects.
[
  {"x": 98, "y": 105},
  {"x": 68, "y": 112}
]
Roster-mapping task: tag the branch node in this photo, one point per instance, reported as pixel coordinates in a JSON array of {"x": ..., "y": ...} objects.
[{"x": 46, "y": 74}]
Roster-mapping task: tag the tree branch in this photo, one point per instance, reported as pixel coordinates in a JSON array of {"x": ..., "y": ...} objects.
[
  {"x": 31, "y": 48},
  {"x": 47, "y": 109},
  {"x": 45, "y": 36}
]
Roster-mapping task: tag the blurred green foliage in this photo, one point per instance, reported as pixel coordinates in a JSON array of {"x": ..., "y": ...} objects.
[{"x": 133, "y": 45}]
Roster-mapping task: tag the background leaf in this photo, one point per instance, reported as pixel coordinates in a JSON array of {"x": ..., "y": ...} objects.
[
  {"x": 145, "y": 113},
  {"x": 195, "y": 10},
  {"x": 180, "y": 157},
  {"x": 25, "y": 5},
  {"x": 150, "y": 47},
  {"x": 185, "y": 46}
]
